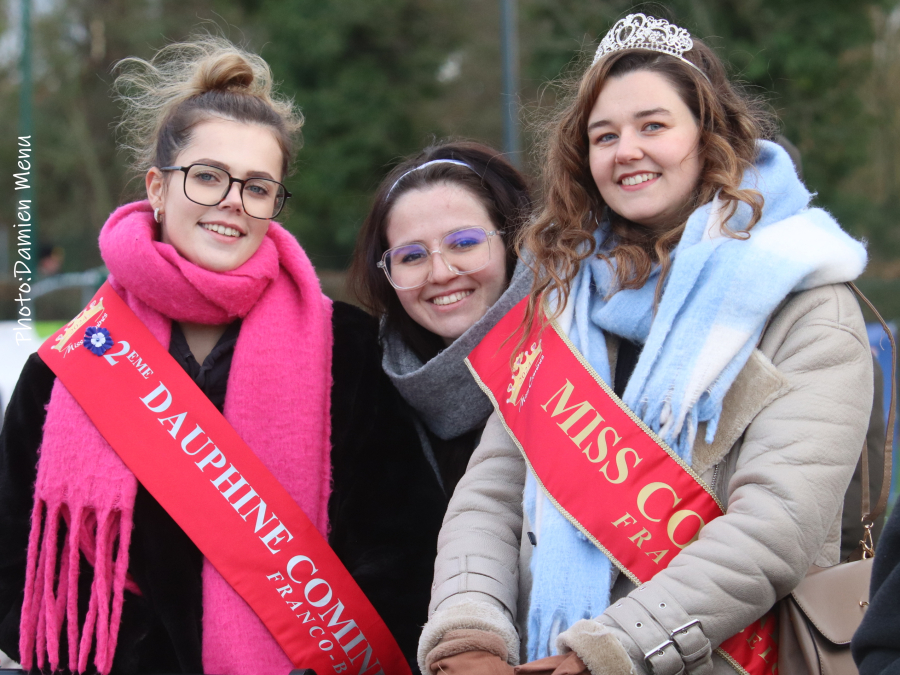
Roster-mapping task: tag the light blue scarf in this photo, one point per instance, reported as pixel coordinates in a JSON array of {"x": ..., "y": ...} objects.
[{"x": 718, "y": 295}]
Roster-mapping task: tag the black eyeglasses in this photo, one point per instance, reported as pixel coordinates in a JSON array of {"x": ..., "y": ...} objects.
[{"x": 206, "y": 185}]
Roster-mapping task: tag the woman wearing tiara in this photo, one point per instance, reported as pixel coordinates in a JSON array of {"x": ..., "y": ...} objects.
[
  {"x": 677, "y": 251},
  {"x": 93, "y": 567}
]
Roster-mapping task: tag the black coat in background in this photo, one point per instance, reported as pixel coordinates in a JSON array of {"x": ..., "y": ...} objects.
[
  {"x": 385, "y": 509},
  {"x": 876, "y": 645}
]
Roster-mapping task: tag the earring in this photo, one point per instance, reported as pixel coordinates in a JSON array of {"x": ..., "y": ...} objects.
[{"x": 156, "y": 214}]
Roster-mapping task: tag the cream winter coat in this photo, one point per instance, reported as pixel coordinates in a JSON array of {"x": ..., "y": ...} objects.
[{"x": 789, "y": 438}]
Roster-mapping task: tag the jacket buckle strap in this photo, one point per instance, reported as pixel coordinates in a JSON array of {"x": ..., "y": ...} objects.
[
  {"x": 664, "y": 659},
  {"x": 660, "y": 653},
  {"x": 686, "y": 633},
  {"x": 690, "y": 639},
  {"x": 478, "y": 575},
  {"x": 685, "y": 627},
  {"x": 694, "y": 646}
]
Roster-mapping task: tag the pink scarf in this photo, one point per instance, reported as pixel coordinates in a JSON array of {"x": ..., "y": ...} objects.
[{"x": 277, "y": 400}]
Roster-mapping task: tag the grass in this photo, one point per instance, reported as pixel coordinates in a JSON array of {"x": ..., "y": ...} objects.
[{"x": 45, "y": 329}]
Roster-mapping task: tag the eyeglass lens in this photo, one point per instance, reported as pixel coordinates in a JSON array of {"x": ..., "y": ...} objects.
[
  {"x": 208, "y": 185},
  {"x": 464, "y": 251}
]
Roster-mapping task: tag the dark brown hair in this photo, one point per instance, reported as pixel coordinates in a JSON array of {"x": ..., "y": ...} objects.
[
  {"x": 190, "y": 82},
  {"x": 491, "y": 179},
  {"x": 561, "y": 235}
]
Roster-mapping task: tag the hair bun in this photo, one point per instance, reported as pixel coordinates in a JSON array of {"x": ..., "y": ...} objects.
[
  {"x": 223, "y": 72},
  {"x": 176, "y": 81}
]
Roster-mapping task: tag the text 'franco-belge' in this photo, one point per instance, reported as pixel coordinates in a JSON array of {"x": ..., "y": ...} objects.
[{"x": 318, "y": 596}]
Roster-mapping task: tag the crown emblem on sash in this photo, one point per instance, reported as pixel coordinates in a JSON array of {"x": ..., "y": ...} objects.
[
  {"x": 75, "y": 324},
  {"x": 520, "y": 369}
]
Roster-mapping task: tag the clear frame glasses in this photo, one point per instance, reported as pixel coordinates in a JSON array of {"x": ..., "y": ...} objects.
[
  {"x": 207, "y": 185},
  {"x": 463, "y": 251}
]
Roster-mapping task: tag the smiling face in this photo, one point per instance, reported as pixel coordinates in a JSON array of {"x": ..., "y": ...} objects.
[
  {"x": 448, "y": 304},
  {"x": 223, "y": 237},
  {"x": 644, "y": 149}
]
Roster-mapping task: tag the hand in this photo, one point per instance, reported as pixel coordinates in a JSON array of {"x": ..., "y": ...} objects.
[
  {"x": 564, "y": 664},
  {"x": 472, "y": 663}
]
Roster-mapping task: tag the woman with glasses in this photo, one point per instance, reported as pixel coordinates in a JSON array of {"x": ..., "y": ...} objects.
[
  {"x": 435, "y": 261},
  {"x": 689, "y": 390},
  {"x": 92, "y": 566}
]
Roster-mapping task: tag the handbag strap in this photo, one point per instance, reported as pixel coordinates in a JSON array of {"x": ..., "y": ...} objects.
[{"x": 870, "y": 516}]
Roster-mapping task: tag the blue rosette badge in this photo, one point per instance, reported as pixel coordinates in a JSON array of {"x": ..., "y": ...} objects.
[{"x": 97, "y": 340}]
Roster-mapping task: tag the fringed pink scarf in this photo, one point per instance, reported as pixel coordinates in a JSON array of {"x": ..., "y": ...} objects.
[{"x": 277, "y": 400}]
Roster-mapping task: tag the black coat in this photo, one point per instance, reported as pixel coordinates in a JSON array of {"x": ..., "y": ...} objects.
[
  {"x": 876, "y": 645},
  {"x": 385, "y": 509}
]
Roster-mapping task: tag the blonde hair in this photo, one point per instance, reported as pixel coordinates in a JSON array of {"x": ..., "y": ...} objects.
[
  {"x": 561, "y": 235},
  {"x": 186, "y": 83}
]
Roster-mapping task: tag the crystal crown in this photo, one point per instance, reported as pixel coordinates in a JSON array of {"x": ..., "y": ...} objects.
[{"x": 639, "y": 31}]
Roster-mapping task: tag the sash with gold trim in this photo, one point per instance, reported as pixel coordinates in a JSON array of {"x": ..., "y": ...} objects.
[
  {"x": 187, "y": 455},
  {"x": 605, "y": 471}
]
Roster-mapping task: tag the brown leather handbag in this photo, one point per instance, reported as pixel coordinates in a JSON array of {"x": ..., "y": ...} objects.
[{"x": 820, "y": 616}]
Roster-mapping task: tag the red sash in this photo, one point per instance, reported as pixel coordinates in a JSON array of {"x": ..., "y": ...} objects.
[
  {"x": 197, "y": 467},
  {"x": 600, "y": 465}
]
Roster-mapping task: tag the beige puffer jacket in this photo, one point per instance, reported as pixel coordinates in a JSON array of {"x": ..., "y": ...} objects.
[{"x": 789, "y": 437}]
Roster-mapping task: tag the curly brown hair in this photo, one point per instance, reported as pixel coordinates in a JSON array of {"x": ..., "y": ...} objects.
[{"x": 561, "y": 235}]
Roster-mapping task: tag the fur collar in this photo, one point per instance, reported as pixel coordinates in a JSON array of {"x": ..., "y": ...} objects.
[{"x": 758, "y": 384}]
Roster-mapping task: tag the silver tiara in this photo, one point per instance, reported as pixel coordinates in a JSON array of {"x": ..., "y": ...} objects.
[{"x": 639, "y": 31}]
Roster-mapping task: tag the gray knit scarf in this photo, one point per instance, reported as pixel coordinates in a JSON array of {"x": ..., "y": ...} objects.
[{"x": 443, "y": 393}]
